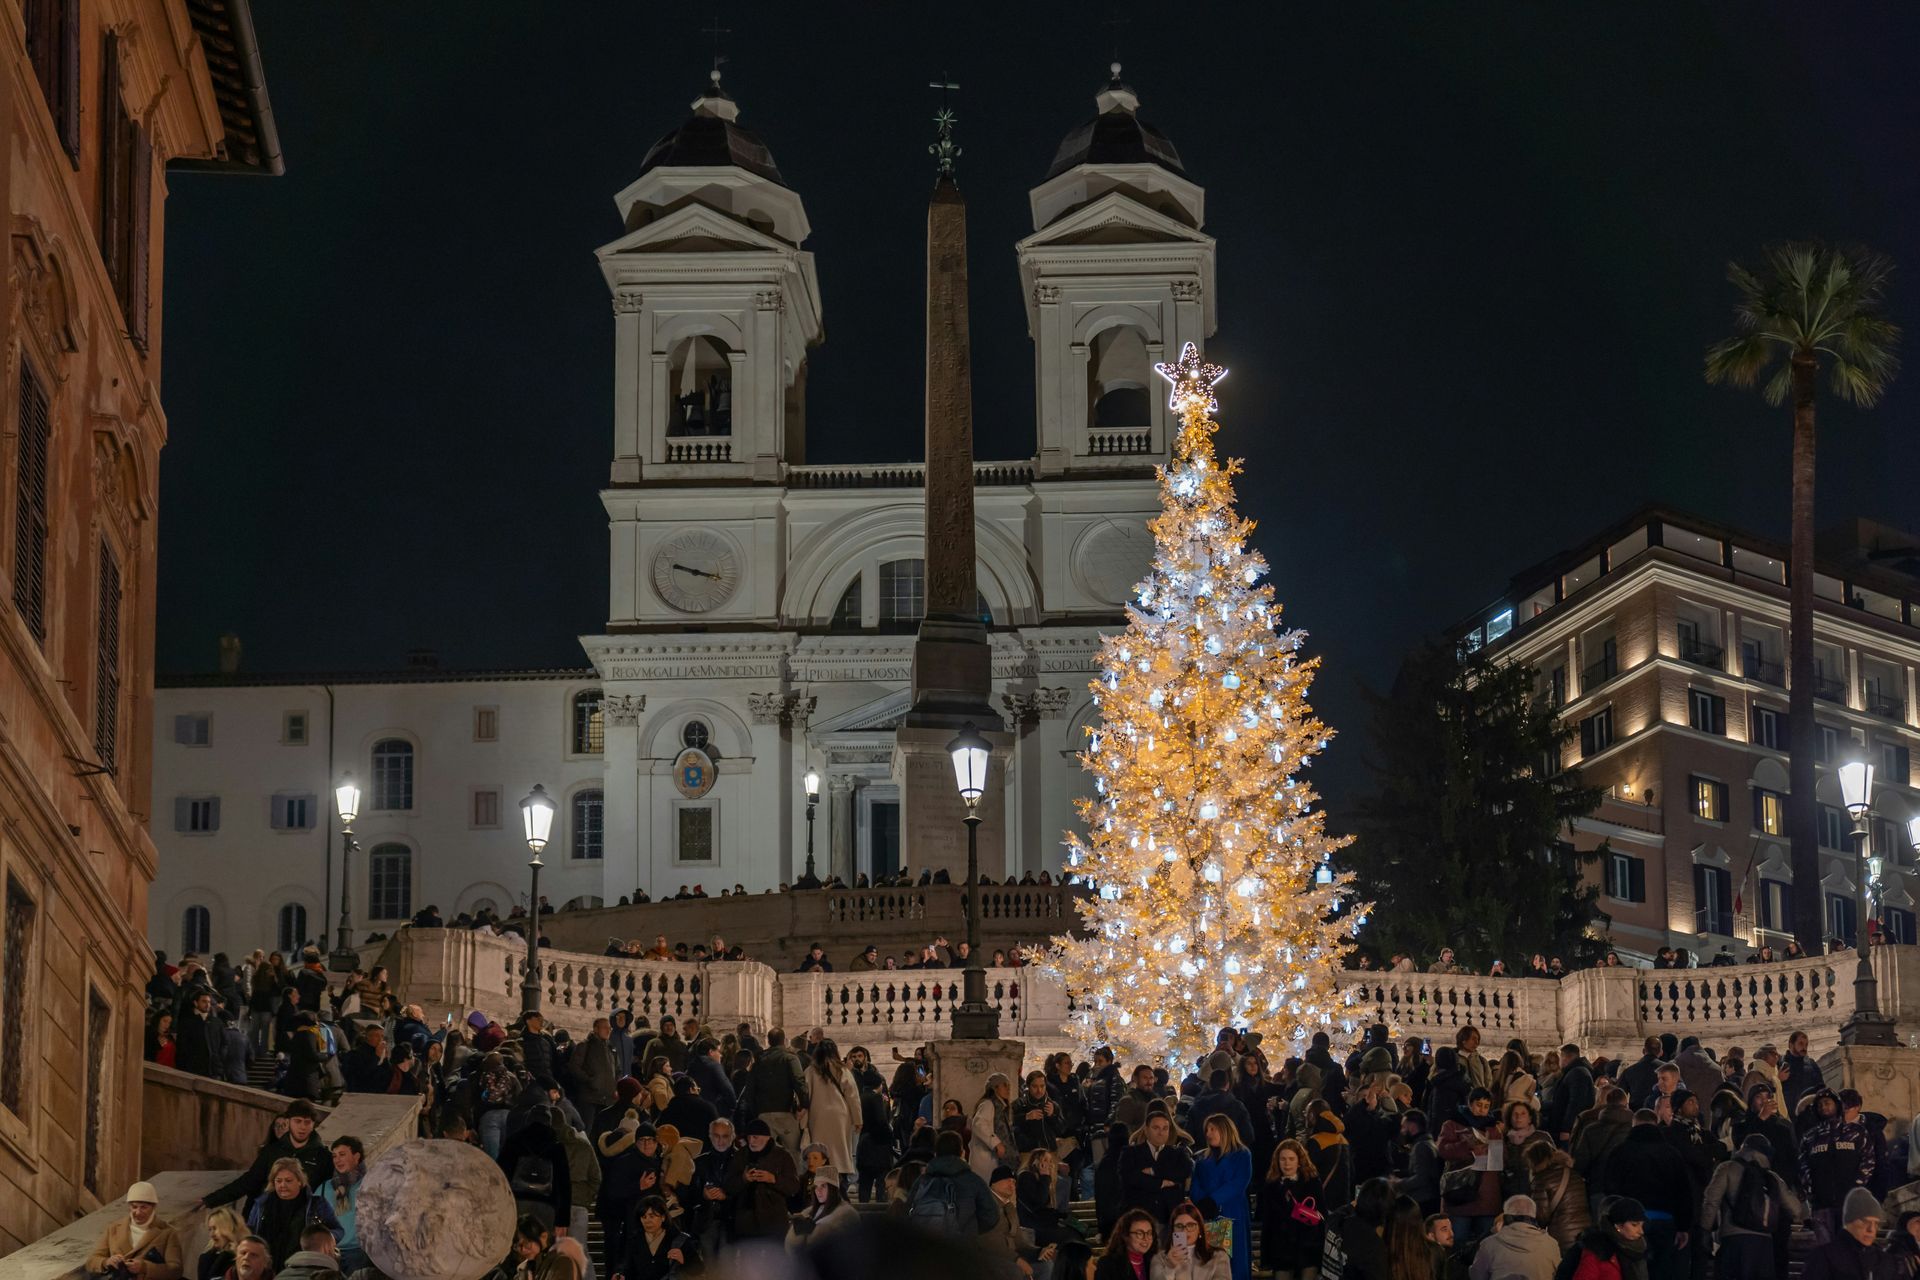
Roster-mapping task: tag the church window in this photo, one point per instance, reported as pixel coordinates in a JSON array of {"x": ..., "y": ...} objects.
[
  {"x": 589, "y": 723},
  {"x": 589, "y": 830},
  {"x": 903, "y": 590},
  {"x": 695, "y": 735},
  {"x": 846, "y": 614},
  {"x": 390, "y": 882},
  {"x": 291, "y": 927},
  {"x": 694, "y": 834},
  {"x": 196, "y": 930},
  {"x": 393, "y": 774},
  {"x": 702, "y": 389}
]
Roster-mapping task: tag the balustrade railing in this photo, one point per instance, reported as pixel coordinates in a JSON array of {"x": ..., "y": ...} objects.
[
  {"x": 1754, "y": 998},
  {"x": 900, "y": 1006},
  {"x": 1504, "y": 1007}
]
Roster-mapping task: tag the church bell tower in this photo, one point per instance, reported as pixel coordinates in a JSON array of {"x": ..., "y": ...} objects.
[{"x": 715, "y": 304}]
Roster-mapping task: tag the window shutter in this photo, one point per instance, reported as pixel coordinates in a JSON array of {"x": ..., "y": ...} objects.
[
  {"x": 30, "y": 523},
  {"x": 140, "y": 232},
  {"x": 67, "y": 111},
  {"x": 1637, "y": 879},
  {"x": 106, "y": 695},
  {"x": 278, "y": 818},
  {"x": 183, "y": 730},
  {"x": 213, "y": 814},
  {"x": 182, "y": 813},
  {"x": 113, "y": 135}
]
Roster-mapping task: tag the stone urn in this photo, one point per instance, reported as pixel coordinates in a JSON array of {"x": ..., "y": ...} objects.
[{"x": 435, "y": 1210}]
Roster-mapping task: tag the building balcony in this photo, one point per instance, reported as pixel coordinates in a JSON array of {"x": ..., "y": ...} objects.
[
  {"x": 1765, "y": 672},
  {"x": 1109, "y": 442},
  {"x": 1829, "y": 690},
  {"x": 1701, "y": 654},
  {"x": 1598, "y": 673},
  {"x": 1888, "y": 708}
]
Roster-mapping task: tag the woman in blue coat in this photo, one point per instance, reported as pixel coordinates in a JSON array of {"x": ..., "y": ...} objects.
[{"x": 1220, "y": 1179}]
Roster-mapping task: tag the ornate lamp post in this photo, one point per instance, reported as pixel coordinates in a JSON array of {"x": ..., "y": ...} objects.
[
  {"x": 1867, "y": 1025},
  {"x": 536, "y": 816},
  {"x": 812, "y": 784},
  {"x": 346, "y": 799},
  {"x": 975, "y": 1019}
]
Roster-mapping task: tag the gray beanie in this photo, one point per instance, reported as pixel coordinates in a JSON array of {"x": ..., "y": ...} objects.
[{"x": 1859, "y": 1204}]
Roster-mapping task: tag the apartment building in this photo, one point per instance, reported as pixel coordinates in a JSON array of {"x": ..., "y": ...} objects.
[{"x": 1664, "y": 641}]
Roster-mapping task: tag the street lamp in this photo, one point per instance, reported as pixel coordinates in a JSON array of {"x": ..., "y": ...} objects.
[
  {"x": 1867, "y": 1025},
  {"x": 975, "y": 1019},
  {"x": 812, "y": 784},
  {"x": 536, "y": 816},
  {"x": 346, "y": 799}
]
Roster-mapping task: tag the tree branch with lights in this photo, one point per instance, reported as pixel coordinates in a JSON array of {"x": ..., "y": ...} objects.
[{"x": 1214, "y": 901}]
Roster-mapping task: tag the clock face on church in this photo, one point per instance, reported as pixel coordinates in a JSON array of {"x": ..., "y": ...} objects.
[{"x": 696, "y": 571}]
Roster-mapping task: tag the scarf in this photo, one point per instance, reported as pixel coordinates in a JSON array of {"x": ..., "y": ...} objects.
[{"x": 1633, "y": 1257}]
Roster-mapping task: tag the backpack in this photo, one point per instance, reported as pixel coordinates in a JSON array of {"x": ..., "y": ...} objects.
[
  {"x": 1752, "y": 1208},
  {"x": 936, "y": 1205},
  {"x": 533, "y": 1176}
]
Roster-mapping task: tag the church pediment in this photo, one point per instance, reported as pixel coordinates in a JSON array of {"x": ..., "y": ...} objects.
[
  {"x": 695, "y": 228},
  {"x": 880, "y": 715},
  {"x": 1115, "y": 218}
]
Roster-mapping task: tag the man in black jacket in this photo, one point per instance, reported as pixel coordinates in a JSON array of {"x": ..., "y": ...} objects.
[
  {"x": 199, "y": 1043},
  {"x": 1154, "y": 1171},
  {"x": 704, "y": 1065},
  {"x": 1637, "y": 1077},
  {"x": 1572, "y": 1094},
  {"x": 777, "y": 1090},
  {"x": 536, "y": 1046},
  {"x": 299, "y": 1141},
  {"x": 1218, "y": 1100},
  {"x": 1644, "y": 1163}
]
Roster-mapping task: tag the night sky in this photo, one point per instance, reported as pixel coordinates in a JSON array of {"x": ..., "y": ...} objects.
[{"x": 1470, "y": 256}]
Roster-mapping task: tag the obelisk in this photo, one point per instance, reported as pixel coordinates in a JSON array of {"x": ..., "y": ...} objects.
[{"x": 952, "y": 659}]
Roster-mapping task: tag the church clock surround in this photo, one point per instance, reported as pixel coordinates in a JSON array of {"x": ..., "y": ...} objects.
[{"x": 696, "y": 571}]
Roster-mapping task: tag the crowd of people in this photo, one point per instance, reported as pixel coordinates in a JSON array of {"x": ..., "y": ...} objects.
[
  {"x": 1368, "y": 1161},
  {"x": 1541, "y": 965}
]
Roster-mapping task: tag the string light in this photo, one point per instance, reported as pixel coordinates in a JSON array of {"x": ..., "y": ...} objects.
[{"x": 1213, "y": 798}]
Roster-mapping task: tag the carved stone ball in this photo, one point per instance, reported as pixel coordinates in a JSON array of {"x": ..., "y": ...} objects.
[{"x": 434, "y": 1210}]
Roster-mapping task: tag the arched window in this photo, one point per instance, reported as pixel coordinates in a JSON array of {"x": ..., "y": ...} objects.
[
  {"x": 1118, "y": 376},
  {"x": 390, "y": 882},
  {"x": 846, "y": 614},
  {"x": 196, "y": 930},
  {"x": 393, "y": 774},
  {"x": 293, "y": 927},
  {"x": 589, "y": 830},
  {"x": 702, "y": 389},
  {"x": 589, "y": 723},
  {"x": 903, "y": 591},
  {"x": 696, "y": 734}
]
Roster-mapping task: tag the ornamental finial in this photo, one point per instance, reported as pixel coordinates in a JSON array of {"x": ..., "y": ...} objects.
[{"x": 1193, "y": 380}]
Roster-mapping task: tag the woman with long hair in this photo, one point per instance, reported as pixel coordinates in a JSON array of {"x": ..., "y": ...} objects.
[
  {"x": 833, "y": 1109},
  {"x": 1408, "y": 1254},
  {"x": 281, "y": 1213},
  {"x": 225, "y": 1228},
  {"x": 1185, "y": 1254},
  {"x": 160, "y": 1044},
  {"x": 1512, "y": 1082},
  {"x": 1222, "y": 1174},
  {"x": 1290, "y": 1214},
  {"x": 1129, "y": 1254},
  {"x": 538, "y": 1259},
  {"x": 827, "y": 1214},
  {"x": 1037, "y": 1197},
  {"x": 992, "y": 1126}
]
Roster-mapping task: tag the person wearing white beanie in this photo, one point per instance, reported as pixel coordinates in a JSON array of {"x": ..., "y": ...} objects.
[{"x": 142, "y": 1244}]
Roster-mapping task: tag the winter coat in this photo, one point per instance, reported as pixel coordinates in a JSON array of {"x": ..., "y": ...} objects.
[
  {"x": 537, "y": 1141},
  {"x": 1287, "y": 1244},
  {"x": 1517, "y": 1251},
  {"x": 1370, "y": 1136},
  {"x": 310, "y": 980},
  {"x": 760, "y": 1208},
  {"x": 978, "y": 1207},
  {"x": 1164, "y": 1267},
  {"x": 1142, "y": 1170},
  {"x": 536, "y": 1053},
  {"x": 1036, "y": 1134},
  {"x": 1216, "y": 1104},
  {"x": 777, "y": 1083},
  {"x": 1327, "y": 1144},
  {"x": 1723, "y": 1192},
  {"x": 281, "y": 1223},
  {"x": 1644, "y": 1166},
  {"x": 1637, "y": 1078},
  {"x": 645, "y": 1263},
  {"x": 1599, "y": 1136},
  {"x": 1571, "y": 1095},
  {"x": 199, "y": 1045},
  {"x": 1836, "y": 1157},
  {"x": 1699, "y": 1073},
  {"x": 1844, "y": 1258},
  {"x": 592, "y": 1071},
  {"x": 1103, "y": 1094},
  {"x": 672, "y": 1048},
  {"x": 1601, "y": 1255},
  {"x": 1458, "y": 1149},
  {"x": 832, "y": 1113},
  {"x": 989, "y": 1130},
  {"x": 1447, "y": 1095},
  {"x": 583, "y": 1166},
  {"x": 842, "y": 1217},
  {"x": 713, "y": 1082},
  {"x": 308, "y": 1264},
  {"x": 1219, "y": 1188},
  {"x": 161, "y": 1239},
  {"x": 316, "y": 1157},
  {"x": 1560, "y": 1199}
]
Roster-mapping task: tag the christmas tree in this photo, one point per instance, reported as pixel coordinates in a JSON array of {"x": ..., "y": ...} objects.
[{"x": 1214, "y": 901}]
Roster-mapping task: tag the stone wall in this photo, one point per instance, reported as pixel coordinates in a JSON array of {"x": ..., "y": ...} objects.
[{"x": 191, "y": 1122}]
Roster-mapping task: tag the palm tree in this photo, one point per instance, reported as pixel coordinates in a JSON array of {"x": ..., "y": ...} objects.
[{"x": 1811, "y": 310}]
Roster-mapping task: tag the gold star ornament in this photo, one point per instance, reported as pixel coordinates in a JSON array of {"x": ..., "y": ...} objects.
[{"x": 1193, "y": 380}]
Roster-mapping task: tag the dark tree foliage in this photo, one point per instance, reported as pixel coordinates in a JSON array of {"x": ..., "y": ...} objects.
[{"x": 1464, "y": 840}]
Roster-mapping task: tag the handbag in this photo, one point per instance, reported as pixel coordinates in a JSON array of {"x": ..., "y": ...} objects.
[
  {"x": 1460, "y": 1186},
  {"x": 1220, "y": 1233},
  {"x": 1305, "y": 1212}
]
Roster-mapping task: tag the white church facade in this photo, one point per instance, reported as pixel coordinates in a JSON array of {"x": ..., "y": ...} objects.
[{"x": 761, "y": 609}]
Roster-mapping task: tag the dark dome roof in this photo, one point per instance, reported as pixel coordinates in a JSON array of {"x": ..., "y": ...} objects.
[
  {"x": 713, "y": 136},
  {"x": 1116, "y": 136}
]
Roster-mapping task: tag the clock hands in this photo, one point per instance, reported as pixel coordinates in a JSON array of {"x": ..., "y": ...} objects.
[{"x": 698, "y": 573}]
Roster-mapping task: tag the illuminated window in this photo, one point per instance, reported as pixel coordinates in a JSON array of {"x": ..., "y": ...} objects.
[
  {"x": 1770, "y": 812},
  {"x": 1776, "y": 905},
  {"x": 589, "y": 723},
  {"x": 1712, "y": 900},
  {"x": 1707, "y": 712},
  {"x": 1626, "y": 877},
  {"x": 1769, "y": 728},
  {"x": 1709, "y": 799},
  {"x": 1596, "y": 732}
]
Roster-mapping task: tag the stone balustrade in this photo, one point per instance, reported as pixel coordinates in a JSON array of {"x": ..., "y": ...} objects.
[{"x": 1604, "y": 1010}]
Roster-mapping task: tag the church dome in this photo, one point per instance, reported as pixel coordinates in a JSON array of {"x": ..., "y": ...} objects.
[
  {"x": 1117, "y": 135},
  {"x": 712, "y": 137}
]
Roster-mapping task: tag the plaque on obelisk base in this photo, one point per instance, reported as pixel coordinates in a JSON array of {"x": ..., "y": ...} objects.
[
  {"x": 960, "y": 1069},
  {"x": 952, "y": 659}
]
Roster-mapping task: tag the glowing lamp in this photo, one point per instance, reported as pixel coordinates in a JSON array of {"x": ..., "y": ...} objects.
[
  {"x": 536, "y": 816},
  {"x": 812, "y": 784},
  {"x": 1856, "y": 787},
  {"x": 970, "y": 753},
  {"x": 346, "y": 798}
]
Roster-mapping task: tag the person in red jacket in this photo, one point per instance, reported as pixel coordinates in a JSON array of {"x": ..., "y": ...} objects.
[{"x": 1616, "y": 1249}]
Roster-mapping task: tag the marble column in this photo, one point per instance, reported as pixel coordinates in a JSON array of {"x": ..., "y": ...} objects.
[
  {"x": 623, "y": 865},
  {"x": 840, "y": 825}
]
